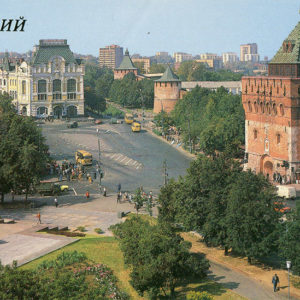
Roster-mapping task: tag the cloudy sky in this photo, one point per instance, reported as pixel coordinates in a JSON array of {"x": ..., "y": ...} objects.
[{"x": 147, "y": 26}]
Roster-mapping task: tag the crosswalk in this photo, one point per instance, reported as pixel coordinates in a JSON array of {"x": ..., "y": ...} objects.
[{"x": 106, "y": 151}]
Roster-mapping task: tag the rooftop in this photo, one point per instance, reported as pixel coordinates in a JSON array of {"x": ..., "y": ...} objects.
[
  {"x": 126, "y": 63},
  {"x": 168, "y": 76}
]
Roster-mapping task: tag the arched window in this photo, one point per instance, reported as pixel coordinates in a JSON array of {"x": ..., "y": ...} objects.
[
  {"x": 262, "y": 108},
  {"x": 255, "y": 107},
  {"x": 281, "y": 108},
  {"x": 278, "y": 138},
  {"x": 274, "y": 109},
  {"x": 56, "y": 89},
  {"x": 255, "y": 134},
  {"x": 268, "y": 108},
  {"x": 299, "y": 90},
  {"x": 71, "y": 89},
  {"x": 42, "y": 90},
  {"x": 23, "y": 87},
  {"x": 284, "y": 90},
  {"x": 249, "y": 106}
]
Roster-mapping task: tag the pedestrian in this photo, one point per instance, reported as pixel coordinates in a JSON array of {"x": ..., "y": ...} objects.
[
  {"x": 90, "y": 179},
  {"x": 56, "y": 202},
  {"x": 275, "y": 281},
  {"x": 87, "y": 194},
  {"x": 119, "y": 197},
  {"x": 119, "y": 187},
  {"x": 38, "y": 216},
  {"x": 104, "y": 192}
]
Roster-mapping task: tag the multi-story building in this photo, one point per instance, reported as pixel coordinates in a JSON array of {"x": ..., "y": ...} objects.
[
  {"x": 214, "y": 63},
  {"x": 125, "y": 67},
  {"x": 181, "y": 56},
  {"x": 272, "y": 106},
  {"x": 208, "y": 56},
  {"x": 162, "y": 53},
  {"x": 247, "y": 49},
  {"x": 52, "y": 83},
  {"x": 145, "y": 61},
  {"x": 229, "y": 57},
  {"x": 252, "y": 57},
  {"x": 110, "y": 56}
]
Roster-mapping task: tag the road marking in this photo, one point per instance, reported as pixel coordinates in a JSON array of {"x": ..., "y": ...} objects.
[
  {"x": 121, "y": 155},
  {"x": 113, "y": 155},
  {"x": 123, "y": 159},
  {"x": 135, "y": 162},
  {"x": 128, "y": 161},
  {"x": 74, "y": 192}
]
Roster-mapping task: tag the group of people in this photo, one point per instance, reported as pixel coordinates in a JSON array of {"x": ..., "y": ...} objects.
[{"x": 277, "y": 177}]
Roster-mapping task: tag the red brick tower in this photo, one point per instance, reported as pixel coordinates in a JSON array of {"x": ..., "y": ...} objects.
[
  {"x": 272, "y": 109},
  {"x": 125, "y": 67},
  {"x": 166, "y": 91}
]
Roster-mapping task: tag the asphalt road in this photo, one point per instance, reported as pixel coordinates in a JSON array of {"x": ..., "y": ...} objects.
[{"x": 132, "y": 159}]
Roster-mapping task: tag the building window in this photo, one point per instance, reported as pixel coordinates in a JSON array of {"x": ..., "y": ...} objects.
[
  {"x": 281, "y": 109},
  {"x": 249, "y": 106},
  {"x": 56, "y": 89},
  {"x": 299, "y": 90},
  {"x": 274, "y": 109},
  {"x": 268, "y": 108},
  {"x": 71, "y": 89},
  {"x": 255, "y": 134},
  {"x": 42, "y": 90},
  {"x": 255, "y": 107},
  {"x": 278, "y": 138},
  {"x": 262, "y": 108},
  {"x": 4, "y": 82},
  {"x": 284, "y": 91},
  {"x": 23, "y": 87}
]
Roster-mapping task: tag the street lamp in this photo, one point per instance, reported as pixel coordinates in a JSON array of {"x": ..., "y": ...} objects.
[
  {"x": 288, "y": 265},
  {"x": 99, "y": 163}
]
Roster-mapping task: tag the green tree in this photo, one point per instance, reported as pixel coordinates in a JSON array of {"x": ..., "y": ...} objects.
[
  {"x": 159, "y": 257},
  {"x": 251, "y": 217},
  {"x": 138, "y": 200},
  {"x": 157, "y": 68},
  {"x": 289, "y": 240},
  {"x": 199, "y": 296}
]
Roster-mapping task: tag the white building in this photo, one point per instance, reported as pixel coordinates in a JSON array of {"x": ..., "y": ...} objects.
[{"x": 229, "y": 57}]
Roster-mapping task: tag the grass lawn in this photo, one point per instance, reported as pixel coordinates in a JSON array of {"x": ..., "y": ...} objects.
[{"x": 106, "y": 250}]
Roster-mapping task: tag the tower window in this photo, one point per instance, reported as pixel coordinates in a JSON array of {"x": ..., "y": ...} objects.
[
  {"x": 262, "y": 109},
  {"x": 274, "y": 109},
  {"x": 278, "y": 138},
  {"x": 255, "y": 134},
  {"x": 249, "y": 106},
  {"x": 281, "y": 109},
  {"x": 255, "y": 107}
]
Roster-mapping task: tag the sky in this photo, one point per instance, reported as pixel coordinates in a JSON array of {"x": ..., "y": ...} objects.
[{"x": 148, "y": 26}]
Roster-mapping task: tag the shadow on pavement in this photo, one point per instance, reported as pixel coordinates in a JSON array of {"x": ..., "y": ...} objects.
[
  {"x": 3, "y": 242},
  {"x": 228, "y": 285}
]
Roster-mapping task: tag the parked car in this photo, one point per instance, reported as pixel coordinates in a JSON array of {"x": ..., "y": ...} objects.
[
  {"x": 98, "y": 121},
  {"x": 72, "y": 125}
]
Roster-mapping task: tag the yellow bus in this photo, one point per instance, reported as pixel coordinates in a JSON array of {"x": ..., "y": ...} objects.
[
  {"x": 83, "y": 157},
  {"x": 136, "y": 126},
  {"x": 128, "y": 118}
]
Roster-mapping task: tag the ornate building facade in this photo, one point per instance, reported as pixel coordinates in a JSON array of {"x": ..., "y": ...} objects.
[
  {"x": 51, "y": 84},
  {"x": 272, "y": 111}
]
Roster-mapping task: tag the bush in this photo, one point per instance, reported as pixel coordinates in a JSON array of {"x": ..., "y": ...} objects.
[
  {"x": 199, "y": 296},
  {"x": 113, "y": 111},
  {"x": 157, "y": 132},
  {"x": 81, "y": 228},
  {"x": 98, "y": 230}
]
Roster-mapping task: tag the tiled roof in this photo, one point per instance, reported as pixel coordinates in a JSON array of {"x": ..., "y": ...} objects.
[
  {"x": 45, "y": 53},
  {"x": 126, "y": 63},
  {"x": 287, "y": 55},
  {"x": 168, "y": 76}
]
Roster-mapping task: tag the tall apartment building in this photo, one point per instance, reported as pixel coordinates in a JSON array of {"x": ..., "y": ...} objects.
[
  {"x": 52, "y": 83},
  {"x": 247, "y": 50},
  {"x": 181, "y": 56},
  {"x": 145, "y": 61},
  {"x": 110, "y": 56},
  {"x": 208, "y": 56},
  {"x": 229, "y": 57},
  {"x": 162, "y": 53}
]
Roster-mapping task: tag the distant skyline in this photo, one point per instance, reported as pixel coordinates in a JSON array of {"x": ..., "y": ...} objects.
[{"x": 149, "y": 26}]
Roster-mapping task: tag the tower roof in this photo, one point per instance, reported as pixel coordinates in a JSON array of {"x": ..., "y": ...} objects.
[
  {"x": 168, "y": 76},
  {"x": 126, "y": 63},
  {"x": 50, "y": 48},
  {"x": 289, "y": 52}
]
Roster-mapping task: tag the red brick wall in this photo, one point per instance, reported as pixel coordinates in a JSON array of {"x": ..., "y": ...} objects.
[{"x": 119, "y": 74}]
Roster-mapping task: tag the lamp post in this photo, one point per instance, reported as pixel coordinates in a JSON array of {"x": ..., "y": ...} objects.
[
  {"x": 288, "y": 265},
  {"x": 99, "y": 162}
]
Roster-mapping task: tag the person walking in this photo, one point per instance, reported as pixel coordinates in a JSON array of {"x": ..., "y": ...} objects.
[
  {"x": 119, "y": 187},
  {"x": 56, "y": 202},
  {"x": 119, "y": 197},
  {"x": 87, "y": 194},
  {"x": 275, "y": 281},
  {"x": 38, "y": 216},
  {"x": 104, "y": 192}
]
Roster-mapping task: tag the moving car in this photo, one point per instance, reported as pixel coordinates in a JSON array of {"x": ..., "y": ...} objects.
[
  {"x": 136, "y": 126},
  {"x": 128, "y": 118},
  {"x": 83, "y": 158}
]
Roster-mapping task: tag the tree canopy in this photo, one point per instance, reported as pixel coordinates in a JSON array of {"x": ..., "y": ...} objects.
[
  {"x": 213, "y": 119},
  {"x": 195, "y": 71},
  {"x": 23, "y": 152}
]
